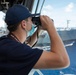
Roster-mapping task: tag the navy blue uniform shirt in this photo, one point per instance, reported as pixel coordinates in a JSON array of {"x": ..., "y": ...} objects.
[{"x": 16, "y": 58}]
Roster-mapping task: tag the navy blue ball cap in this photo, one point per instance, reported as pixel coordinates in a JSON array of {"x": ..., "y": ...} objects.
[{"x": 16, "y": 14}]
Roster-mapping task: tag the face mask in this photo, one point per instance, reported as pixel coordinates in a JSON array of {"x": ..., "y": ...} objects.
[{"x": 32, "y": 30}]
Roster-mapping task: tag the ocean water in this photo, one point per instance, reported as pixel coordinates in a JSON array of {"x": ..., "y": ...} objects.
[{"x": 71, "y": 70}]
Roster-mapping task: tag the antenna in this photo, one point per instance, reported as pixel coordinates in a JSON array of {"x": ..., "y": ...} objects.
[
  {"x": 37, "y": 6},
  {"x": 42, "y": 6}
]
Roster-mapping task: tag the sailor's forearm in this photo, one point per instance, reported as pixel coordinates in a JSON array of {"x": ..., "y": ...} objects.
[{"x": 57, "y": 45}]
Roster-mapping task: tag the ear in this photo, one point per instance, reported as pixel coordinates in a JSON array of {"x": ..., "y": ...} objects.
[{"x": 23, "y": 24}]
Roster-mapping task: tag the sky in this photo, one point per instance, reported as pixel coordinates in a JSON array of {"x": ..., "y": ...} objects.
[
  {"x": 2, "y": 23},
  {"x": 63, "y": 12}
]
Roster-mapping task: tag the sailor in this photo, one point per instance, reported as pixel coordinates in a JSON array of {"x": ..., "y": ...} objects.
[{"x": 18, "y": 57}]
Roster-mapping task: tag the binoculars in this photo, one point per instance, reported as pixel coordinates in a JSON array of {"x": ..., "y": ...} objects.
[{"x": 36, "y": 21}]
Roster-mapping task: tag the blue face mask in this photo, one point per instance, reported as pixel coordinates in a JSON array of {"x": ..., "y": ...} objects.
[{"x": 32, "y": 30}]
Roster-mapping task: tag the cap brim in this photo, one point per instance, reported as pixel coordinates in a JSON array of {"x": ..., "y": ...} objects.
[{"x": 33, "y": 15}]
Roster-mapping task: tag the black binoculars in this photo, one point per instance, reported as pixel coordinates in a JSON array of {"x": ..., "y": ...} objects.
[{"x": 36, "y": 21}]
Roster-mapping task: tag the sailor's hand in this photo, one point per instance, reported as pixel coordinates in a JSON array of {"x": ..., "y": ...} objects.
[{"x": 46, "y": 22}]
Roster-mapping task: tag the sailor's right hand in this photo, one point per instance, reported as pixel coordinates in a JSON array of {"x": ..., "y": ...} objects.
[{"x": 46, "y": 22}]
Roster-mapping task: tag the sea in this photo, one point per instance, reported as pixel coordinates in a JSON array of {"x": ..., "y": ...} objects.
[{"x": 71, "y": 70}]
